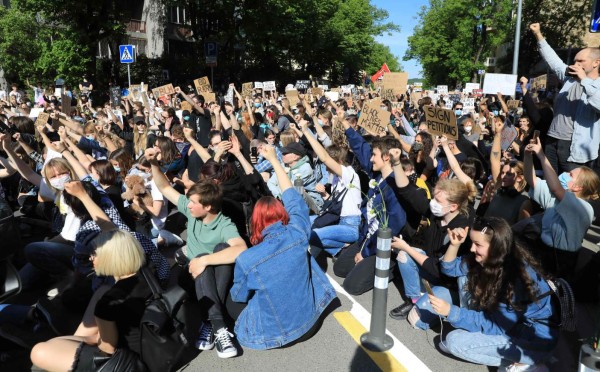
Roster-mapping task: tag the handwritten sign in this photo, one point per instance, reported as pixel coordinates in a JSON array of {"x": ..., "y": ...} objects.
[
  {"x": 502, "y": 83},
  {"x": 469, "y": 103},
  {"x": 415, "y": 97},
  {"x": 317, "y": 91},
  {"x": 269, "y": 85},
  {"x": 441, "y": 122},
  {"x": 65, "y": 102},
  {"x": 42, "y": 119},
  {"x": 333, "y": 96},
  {"x": 209, "y": 97},
  {"x": 247, "y": 90},
  {"x": 469, "y": 87},
  {"x": 115, "y": 96},
  {"x": 374, "y": 119},
  {"x": 164, "y": 90},
  {"x": 258, "y": 85},
  {"x": 302, "y": 84},
  {"x": 202, "y": 85},
  {"x": 388, "y": 93},
  {"x": 508, "y": 135},
  {"x": 442, "y": 89},
  {"x": 396, "y": 80},
  {"x": 186, "y": 106},
  {"x": 513, "y": 104},
  {"x": 477, "y": 92},
  {"x": 539, "y": 83},
  {"x": 292, "y": 96}
]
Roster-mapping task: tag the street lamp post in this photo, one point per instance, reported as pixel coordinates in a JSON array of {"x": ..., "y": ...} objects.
[{"x": 517, "y": 39}]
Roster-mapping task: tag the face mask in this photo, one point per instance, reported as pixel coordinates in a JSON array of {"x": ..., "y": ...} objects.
[
  {"x": 145, "y": 175},
  {"x": 90, "y": 137},
  {"x": 383, "y": 108},
  {"x": 321, "y": 122},
  {"x": 257, "y": 105},
  {"x": 95, "y": 178},
  {"x": 458, "y": 112},
  {"x": 436, "y": 208},
  {"x": 117, "y": 169},
  {"x": 564, "y": 179},
  {"x": 416, "y": 147},
  {"x": 468, "y": 129},
  {"x": 495, "y": 112},
  {"x": 59, "y": 183}
]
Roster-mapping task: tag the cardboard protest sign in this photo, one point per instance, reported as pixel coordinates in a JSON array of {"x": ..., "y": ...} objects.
[
  {"x": 135, "y": 92},
  {"x": 415, "y": 97},
  {"x": 509, "y": 133},
  {"x": 374, "y": 119},
  {"x": 209, "y": 97},
  {"x": 335, "y": 90},
  {"x": 513, "y": 104},
  {"x": 65, "y": 104},
  {"x": 396, "y": 80},
  {"x": 469, "y": 87},
  {"x": 323, "y": 87},
  {"x": 339, "y": 134},
  {"x": 441, "y": 122},
  {"x": 292, "y": 96},
  {"x": 442, "y": 89},
  {"x": 185, "y": 105},
  {"x": 145, "y": 99},
  {"x": 539, "y": 83},
  {"x": 42, "y": 119},
  {"x": 202, "y": 85},
  {"x": 164, "y": 90},
  {"x": 502, "y": 83},
  {"x": 302, "y": 84},
  {"x": 247, "y": 90},
  {"x": 258, "y": 84},
  {"x": 317, "y": 91},
  {"x": 269, "y": 85},
  {"x": 388, "y": 93}
]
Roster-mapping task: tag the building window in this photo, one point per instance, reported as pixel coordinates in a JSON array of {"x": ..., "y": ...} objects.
[{"x": 177, "y": 15}]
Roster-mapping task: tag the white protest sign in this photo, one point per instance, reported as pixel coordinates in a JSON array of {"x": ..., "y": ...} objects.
[
  {"x": 334, "y": 96},
  {"x": 509, "y": 133},
  {"x": 449, "y": 105},
  {"x": 442, "y": 89},
  {"x": 470, "y": 86},
  {"x": 258, "y": 84},
  {"x": 324, "y": 87},
  {"x": 34, "y": 113},
  {"x": 469, "y": 103},
  {"x": 269, "y": 85},
  {"x": 503, "y": 83}
]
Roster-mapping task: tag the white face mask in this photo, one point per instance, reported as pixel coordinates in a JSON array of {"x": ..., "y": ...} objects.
[
  {"x": 436, "y": 208},
  {"x": 59, "y": 182},
  {"x": 468, "y": 129}
]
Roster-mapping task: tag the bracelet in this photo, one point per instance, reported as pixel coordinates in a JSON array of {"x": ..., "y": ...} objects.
[{"x": 395, "y": 164}]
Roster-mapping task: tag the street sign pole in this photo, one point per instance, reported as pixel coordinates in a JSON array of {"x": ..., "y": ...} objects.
[
  {"x": 127, "y": 56},
  {"x": 129, "y": 74}
]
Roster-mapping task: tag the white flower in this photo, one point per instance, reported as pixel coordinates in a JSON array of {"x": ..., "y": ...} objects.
[
  {"x": 373, "y": 184},
  {"x": 371, "y": 213}
]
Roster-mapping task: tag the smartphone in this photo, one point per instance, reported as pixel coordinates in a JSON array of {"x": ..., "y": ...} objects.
[
  {"x": 536, "y": 135},
  {"x": 427, "y": 286},
  {"x": 254, "y": 152}
]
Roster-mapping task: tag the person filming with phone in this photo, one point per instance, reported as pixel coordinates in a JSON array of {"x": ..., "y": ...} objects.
[{"x": 574, "y": 134}]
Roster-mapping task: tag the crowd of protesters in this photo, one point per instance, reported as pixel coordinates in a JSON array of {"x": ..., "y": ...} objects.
[{"x": 269, "y": 186}]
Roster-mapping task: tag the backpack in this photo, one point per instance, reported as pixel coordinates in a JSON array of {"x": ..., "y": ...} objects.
[{"x": 164, "y": 344}]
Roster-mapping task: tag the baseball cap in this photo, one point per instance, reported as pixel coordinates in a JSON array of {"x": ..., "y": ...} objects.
[{"x": 294, "y": 148}]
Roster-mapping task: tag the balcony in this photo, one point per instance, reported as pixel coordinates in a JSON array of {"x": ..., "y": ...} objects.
[{"x": 136, "y": 26}]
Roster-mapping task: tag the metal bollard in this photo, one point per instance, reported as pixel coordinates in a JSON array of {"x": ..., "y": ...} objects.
[{"x": 376, "y": 339}]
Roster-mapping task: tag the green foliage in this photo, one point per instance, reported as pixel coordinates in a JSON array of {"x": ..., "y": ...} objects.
[
  {"x": 19, "y": 44},
  {"x": 454, "y": 37},
  {"x": 379, "y": 55}
]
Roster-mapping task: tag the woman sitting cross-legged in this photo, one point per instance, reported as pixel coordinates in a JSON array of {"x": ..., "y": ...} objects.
[{"x": 510, "y": 321}]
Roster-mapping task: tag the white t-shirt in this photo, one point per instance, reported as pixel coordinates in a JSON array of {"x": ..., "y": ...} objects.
[
  {"x": 158, "y": 222},
  {"x": 353, "y": 198},
  {"x": 72, "y": 223}
]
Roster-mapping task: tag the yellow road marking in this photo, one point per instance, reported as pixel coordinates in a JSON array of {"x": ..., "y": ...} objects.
[{"x": 384, "y": 360}]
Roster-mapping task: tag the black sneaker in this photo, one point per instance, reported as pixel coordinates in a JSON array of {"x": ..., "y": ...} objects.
[
  {"x": 225, "y": 347},
  {"x": 401, "y": 312},
  {"x": 206, "y": 341}
]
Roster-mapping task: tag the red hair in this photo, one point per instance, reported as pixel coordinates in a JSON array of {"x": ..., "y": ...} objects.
[{"x": 267, "y": 211}]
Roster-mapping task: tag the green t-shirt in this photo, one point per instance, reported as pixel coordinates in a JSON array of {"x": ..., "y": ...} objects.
[{"x": 201, "y": 237}]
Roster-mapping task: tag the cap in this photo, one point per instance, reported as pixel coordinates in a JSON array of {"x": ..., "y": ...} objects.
[
  {"x": 139, "y": 119},
  {"x": 294, "y": 148}
]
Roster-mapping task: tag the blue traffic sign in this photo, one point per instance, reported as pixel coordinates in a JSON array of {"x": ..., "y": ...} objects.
[
  {"x": 126, "y": 54},
  {"x": 210, "y": 52}
]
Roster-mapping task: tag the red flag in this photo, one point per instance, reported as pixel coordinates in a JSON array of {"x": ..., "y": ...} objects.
[{"x": 384, "y": 68}]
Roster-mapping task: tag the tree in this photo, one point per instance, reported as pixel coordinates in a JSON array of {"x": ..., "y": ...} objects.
[
  {"x": 454, "y": 37},
  {"x": 379, "y": 55}
]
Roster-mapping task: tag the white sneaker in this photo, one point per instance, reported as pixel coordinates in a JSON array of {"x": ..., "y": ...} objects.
[{"x": 516, "y": 367}]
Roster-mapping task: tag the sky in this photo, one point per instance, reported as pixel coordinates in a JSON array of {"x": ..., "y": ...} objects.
[{"x": 402, "y": 13}]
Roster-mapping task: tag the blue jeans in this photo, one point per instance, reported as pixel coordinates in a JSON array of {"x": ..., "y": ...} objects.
[
  {"x": 333, "y": 238},
  {"x": 494, "y": 350},
  {"x": 426, "y": 314},
  {"x": 45, "y": 258},
  {"x": 411, "y": 273}
]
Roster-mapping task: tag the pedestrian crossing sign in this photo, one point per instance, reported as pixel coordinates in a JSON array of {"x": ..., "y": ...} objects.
[{"x": 126, "y": 53}]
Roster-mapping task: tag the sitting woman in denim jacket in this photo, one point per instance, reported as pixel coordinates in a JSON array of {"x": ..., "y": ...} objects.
[
  {"x": 510, "y": 318},
  {"x": 285, "y": 290}
]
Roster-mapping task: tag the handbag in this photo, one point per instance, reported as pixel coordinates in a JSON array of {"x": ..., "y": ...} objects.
[
  {"x": 331, "y": 210},
  {"x": 122, "y": 360},
  {"x": 164, "y": 345}
]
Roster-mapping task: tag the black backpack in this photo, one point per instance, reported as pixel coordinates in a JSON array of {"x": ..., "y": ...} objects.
[{"x": 164, "y": 340}]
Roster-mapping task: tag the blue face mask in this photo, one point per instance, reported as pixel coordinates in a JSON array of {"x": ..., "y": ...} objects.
[
  {"x": 321, "y": 122},
  {"x": 257, "y": 105},
  {"x": 458, "y": 112},
  {"x": 564, "y": 179},
  {"x": 90, "y": 137},
  {"x": 117, "y": 169},
  {"x": 495, "y": 112}
]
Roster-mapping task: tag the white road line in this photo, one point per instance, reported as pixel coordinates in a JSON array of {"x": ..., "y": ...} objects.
[{"x": 398, "y": 351}]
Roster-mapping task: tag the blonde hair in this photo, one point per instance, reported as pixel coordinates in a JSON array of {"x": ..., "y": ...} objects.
[
  {"x": 139, "y": 141},
  {"x": 61, "y": 166},
  {"x": 456, "y": 193},
  {"x": 287, "y": 137},
  {"x": 118, "y": 254},
  {"x": 589, "y": 182}
]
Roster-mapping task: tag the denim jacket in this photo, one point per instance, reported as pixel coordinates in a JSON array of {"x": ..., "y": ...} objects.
[
  {"x": 385, "y": 192},
  {"x": 285, "y": 289},
  {"x": 530, "y": 324},
  {"x": 586, "y": 126}
]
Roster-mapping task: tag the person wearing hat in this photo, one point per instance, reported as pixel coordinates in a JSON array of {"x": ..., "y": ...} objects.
[{"x": 299, "y": 167}]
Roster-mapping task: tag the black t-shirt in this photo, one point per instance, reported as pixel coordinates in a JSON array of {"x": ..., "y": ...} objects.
[
  {"x": 124, "y": 304},
  {"x": 203, "y": 126}
]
